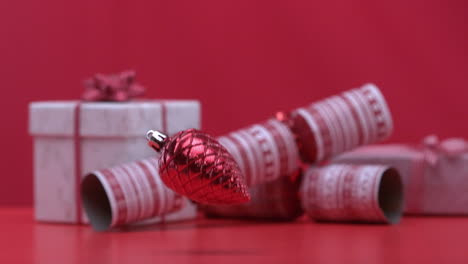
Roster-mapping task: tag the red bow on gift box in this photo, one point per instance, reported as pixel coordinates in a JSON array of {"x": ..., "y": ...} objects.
[
  {"x": 110, "y": 88},
  {"x": 113, "y": 87},
  {"x": 451, "y": 147}
]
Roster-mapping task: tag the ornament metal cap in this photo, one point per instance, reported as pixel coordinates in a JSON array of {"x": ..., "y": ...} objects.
[{"x": 156, "y": 139}]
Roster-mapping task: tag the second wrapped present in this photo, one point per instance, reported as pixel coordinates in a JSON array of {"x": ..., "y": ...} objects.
[{"x": 434, "y": 174}]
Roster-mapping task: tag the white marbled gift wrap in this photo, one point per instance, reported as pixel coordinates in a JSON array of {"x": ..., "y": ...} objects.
[{"x": 361, "y": 193}]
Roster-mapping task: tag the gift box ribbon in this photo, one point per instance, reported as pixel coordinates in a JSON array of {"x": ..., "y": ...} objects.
[{"x": 119, "y": 87}]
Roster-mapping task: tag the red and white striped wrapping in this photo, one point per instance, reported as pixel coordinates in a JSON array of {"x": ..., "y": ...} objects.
[
  {"x": 130, "y": 193},
  {"x": 365, "y": 193},
  {"x": 340, "y": 123},
  {"x": 264, "y": 152},
  {"x": 276, "y": 200}
]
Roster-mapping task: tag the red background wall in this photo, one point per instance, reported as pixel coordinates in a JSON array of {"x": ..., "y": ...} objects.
[{"x": 243, "y": 59}]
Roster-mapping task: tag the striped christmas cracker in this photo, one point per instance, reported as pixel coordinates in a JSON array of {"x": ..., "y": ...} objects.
[
  {"x": 359, "y": 193},
  {"x": 264, "y": 151},
  {"x": 127, "y": 194},
  {"x": 340, "y": 123}
]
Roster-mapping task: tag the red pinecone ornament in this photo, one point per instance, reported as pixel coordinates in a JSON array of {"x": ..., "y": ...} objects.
[{"x": 195, "y": 165}]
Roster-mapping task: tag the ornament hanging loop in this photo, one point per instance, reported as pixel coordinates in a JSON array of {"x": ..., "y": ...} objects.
[{"x": 156, "y": 139}]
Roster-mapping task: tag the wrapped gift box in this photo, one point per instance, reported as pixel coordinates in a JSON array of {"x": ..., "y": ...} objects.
[
  {"x": 435, "y": 175},
  {"x": 72, "y": 138}
]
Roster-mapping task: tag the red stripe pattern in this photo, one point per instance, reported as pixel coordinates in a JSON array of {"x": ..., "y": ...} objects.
[
  {"x": 340, "y": 123},
  {"x": 343, "y": 193},
  {"x": 136, "y": 192},
  {"x": 264, "y": 151}
]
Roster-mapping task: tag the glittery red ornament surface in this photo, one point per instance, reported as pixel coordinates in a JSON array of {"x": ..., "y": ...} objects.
[{"x": 195, "y": 165}]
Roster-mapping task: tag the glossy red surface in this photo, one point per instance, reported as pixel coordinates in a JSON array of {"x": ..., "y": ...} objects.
[{"x": 416, "y": 240}]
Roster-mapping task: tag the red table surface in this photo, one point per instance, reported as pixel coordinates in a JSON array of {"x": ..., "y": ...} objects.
[{"x": 415, "y": 240}]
